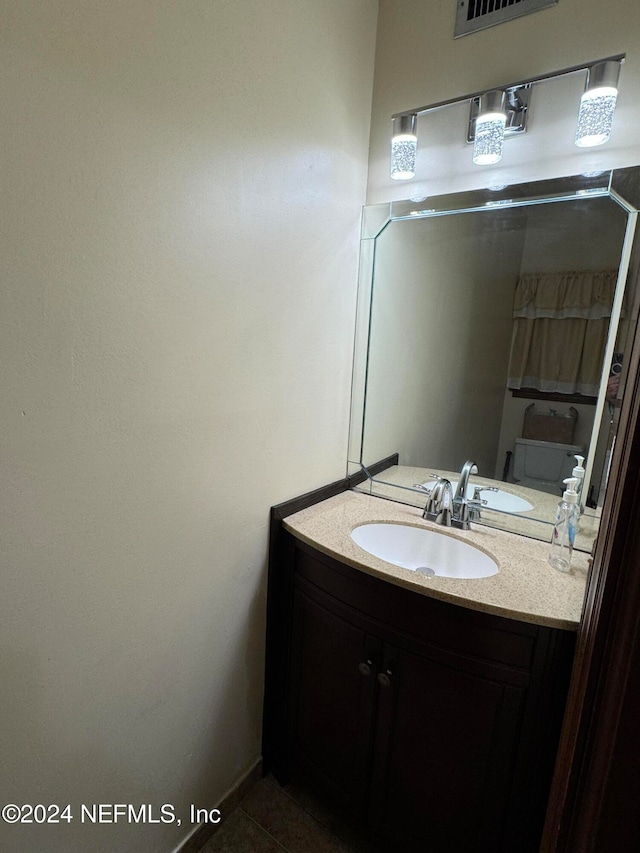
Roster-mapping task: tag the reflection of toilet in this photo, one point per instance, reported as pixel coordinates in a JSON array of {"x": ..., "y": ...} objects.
[{"x": 543, "y": 465}]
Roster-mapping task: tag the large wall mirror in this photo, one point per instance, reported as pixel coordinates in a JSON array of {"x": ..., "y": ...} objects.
[{"x": 492, "y": 327}]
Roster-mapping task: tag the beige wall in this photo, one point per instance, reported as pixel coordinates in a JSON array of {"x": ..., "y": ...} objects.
[
  {"x": 419, "y": 62},
  {"x": 440, "y": 338},
  {"x": 181, "y": 188}
]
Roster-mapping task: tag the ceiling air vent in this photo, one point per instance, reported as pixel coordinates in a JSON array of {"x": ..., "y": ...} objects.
[{"x": 473, "y": 15}]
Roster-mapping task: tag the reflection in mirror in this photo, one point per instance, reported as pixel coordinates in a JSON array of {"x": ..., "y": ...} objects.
[{"x": 492, "y": 332}]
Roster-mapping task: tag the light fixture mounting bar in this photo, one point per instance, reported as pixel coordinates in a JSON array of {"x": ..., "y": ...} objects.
[
  {"x": 516, "y": 111},
  {"x": 574, "y": 69}
]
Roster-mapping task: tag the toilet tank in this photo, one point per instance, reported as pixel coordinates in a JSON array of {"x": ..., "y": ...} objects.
[{"x": 543, "y": 464}]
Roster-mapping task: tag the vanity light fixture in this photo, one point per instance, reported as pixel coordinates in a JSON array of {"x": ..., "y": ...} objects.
[
  {"x": 598, "y": 104},
  {"x": 404, "y": 147},
  {"x": 497, "y": 114}
]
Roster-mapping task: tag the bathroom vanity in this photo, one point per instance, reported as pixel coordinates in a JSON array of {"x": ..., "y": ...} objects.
[{"x": 427, "y": 708}]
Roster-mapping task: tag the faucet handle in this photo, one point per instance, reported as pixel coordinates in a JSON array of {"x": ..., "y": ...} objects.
[
  {"x": 426, "y": 489},
  {"x": 478, "y": 489},
  {"x": 469, "y": 511},
  {"x": 444, "y": 508}
]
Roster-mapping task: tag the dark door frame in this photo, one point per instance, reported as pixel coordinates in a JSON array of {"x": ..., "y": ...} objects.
[{"x": 594, "y": 805}]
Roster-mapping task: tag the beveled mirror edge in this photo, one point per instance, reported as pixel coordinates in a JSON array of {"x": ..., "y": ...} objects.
[{"x": 616, "y": 310}]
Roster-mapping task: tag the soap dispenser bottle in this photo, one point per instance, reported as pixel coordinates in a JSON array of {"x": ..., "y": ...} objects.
[
  {"x": 565, "y": 528},
  {"x": 578, "y": 473}
]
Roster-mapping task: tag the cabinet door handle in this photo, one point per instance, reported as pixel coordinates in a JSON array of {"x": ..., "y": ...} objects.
[
  {"x": 384, "y": 678},
  {"x": 365, "y": 668}
]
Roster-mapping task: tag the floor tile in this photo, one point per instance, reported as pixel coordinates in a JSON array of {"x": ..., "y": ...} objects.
[
  {"x": 240, "y": 834},
  {"x": 287, "y": 822},
  {"x": 330, "y": 817}
]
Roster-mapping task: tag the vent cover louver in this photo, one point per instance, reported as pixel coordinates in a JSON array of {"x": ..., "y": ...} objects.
[{"x": 473, "y": 15}]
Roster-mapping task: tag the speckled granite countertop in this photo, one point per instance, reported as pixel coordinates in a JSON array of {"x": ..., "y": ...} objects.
[{"x": 526, "y": 587}]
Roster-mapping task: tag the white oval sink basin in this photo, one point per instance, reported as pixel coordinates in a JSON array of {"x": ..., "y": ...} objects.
[
  {"x": 424, "y": 551},
  {"x": 504, "y": 501}
]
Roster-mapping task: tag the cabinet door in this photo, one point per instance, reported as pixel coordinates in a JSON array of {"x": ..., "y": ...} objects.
[
  {"x": 331, "y": 703},
  {"x": 443, "y": 755}
]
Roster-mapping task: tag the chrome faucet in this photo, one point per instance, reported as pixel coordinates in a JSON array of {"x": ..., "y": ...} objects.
[
  {"x": 443, "y": 507},
  {"x": 466, "y": 509},
  {"x": 468, "y": 468}
]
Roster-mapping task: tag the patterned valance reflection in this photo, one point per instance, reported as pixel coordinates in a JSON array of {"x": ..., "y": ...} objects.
[{"x": 560, "y": 327}]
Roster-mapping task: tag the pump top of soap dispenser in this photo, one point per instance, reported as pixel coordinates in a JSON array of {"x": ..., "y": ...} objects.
[
  {"x": 578, "y": 471},
  {"x": 570, "y": 495}
]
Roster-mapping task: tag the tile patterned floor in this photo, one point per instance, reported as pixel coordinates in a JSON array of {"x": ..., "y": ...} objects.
[{"x": 272, "y": 819}]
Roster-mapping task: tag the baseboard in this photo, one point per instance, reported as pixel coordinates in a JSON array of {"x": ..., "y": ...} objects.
[{"x": 229, "y": 803}]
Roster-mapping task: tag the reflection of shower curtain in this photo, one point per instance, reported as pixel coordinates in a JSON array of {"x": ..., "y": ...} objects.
[{"x": 560, "y": 325}]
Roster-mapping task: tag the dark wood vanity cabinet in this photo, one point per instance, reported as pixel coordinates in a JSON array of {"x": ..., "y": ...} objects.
[{"x": 434, "y": 725}]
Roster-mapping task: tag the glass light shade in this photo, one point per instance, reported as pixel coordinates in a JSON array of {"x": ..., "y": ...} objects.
[
  {"x": 597, "y": 107},
  {"x": 404, "y": 147},
  {"x": 403, "y": 157},
  {"x": 487, "y": 146}
]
